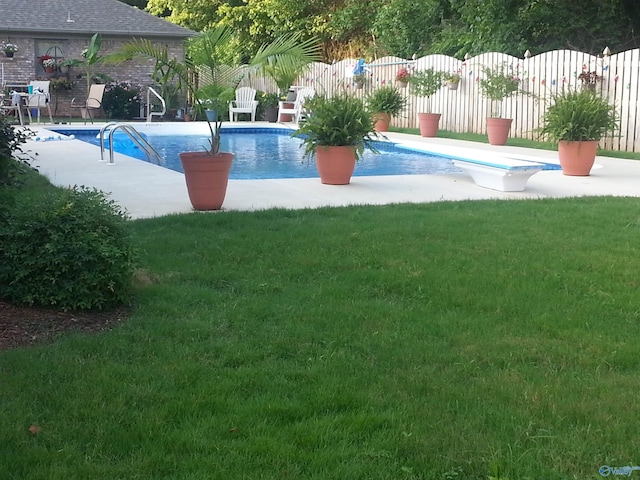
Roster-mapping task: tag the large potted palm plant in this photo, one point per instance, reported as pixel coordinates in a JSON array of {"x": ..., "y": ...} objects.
[
  {"x": 577, "y": 120},
  {"x": 425, "y": 83},
  {"x": 384, "y": 103},
  {"x": 497, "y": 85},
  {"x": 336, "y": 132},
  {"x": 207, "y": 172},
  {"x": 285, "y": 70}
]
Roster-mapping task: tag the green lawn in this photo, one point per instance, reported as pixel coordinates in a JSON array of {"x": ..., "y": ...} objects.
[{"x": 462, "y": 340}]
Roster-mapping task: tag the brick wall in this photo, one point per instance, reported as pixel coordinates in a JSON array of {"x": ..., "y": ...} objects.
[{"x": 25, "y": 66}]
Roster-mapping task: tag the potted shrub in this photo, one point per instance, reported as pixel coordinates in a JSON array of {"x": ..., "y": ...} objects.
[
  {"x": 9, "y": 49},
  {"x": 48, "y": 63},
  {"x": 402, "y": 76},
  {"x": 285, "y": 70},
  {"x": 359, "y": 80},
  {"x": 214, "y": 102},
  {"x": 577, "y": 120},
  {"x": 425, "y": 83},
  {"x": 451, "y": 80},
  {"x": 589, "y": 80},
  {"x": 384, "y": 103},
  {"x": 207, "y": 172},
  {"x": 268, "y": 104},
  {"x": 497, "y": 85},
  {"x": 336, "y": 131}
]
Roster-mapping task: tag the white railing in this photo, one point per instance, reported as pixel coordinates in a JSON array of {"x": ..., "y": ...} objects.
[{"x": 150, "y": 112}]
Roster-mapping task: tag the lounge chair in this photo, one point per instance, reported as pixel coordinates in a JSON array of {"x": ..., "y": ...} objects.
[
  {"x": 297, "y": 110},
  {"x": 245, "y": 102}
]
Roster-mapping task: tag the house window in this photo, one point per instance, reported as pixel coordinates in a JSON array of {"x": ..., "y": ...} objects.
[{"x": 54, "y": 52}]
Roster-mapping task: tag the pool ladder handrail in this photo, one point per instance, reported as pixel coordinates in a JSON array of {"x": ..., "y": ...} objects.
[
  {"x": 133, "y": 134},
  {"x": 151, "y": 113}
]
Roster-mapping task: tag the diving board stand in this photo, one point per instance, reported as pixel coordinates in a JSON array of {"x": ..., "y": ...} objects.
[{"x": 499, "y": 173}]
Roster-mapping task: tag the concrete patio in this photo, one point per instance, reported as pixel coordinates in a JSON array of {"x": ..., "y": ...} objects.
[{"x": 146, "y": 190}]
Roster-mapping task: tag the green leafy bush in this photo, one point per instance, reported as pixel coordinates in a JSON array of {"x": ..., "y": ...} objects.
[
  {"x": 342, "y": 120},
  {"x": 498, "y": 83},
  {"x": 11, "y": 140},
  {"x": 122, "y": 100},
  {"x": 68, "y": 248},
  {"x": 386, "y": 100},
  {"x": 578, "y": 115}
]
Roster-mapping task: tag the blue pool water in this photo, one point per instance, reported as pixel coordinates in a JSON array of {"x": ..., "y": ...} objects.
[{"x": 273, "y": 153}]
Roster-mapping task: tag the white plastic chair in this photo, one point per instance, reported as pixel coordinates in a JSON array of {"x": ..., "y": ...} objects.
[
  {"x": 40, "y": 97},
  {"x": 298, "y": 105},
  {"x": 245, "y": 102}
]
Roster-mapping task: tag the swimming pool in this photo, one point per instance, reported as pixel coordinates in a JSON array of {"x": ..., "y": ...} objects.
[{"x": 266, "y": 153}]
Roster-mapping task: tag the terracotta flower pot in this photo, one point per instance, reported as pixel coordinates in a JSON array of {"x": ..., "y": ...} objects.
[
  {"x": 335, "y": 164},
  {"x": 429, "y": 124},
  {"x": 577, "y": 158},
  {"x": 207, "y": 177},
  {"x": 402, "y": 83},
  {"x": 382, "y": 121},
  {"x": 285, "y": 117},
  {"x": 498, "y": 130}
]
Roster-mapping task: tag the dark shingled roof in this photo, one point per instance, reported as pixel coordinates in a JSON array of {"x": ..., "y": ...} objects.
[{"x": 108, "y": 17}]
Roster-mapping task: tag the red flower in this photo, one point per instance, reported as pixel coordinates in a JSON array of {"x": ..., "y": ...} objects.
[{"x": 402, "y": 75}]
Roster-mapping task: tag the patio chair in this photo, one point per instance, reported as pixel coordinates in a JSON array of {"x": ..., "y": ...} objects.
[
  {"x": 245, "y": 102},
  {"x": 93, "y": 102},
  {"x": 40, "y": 98},
  {"x": 297, "y": 110},
  {"x": 16, "y": 106}
]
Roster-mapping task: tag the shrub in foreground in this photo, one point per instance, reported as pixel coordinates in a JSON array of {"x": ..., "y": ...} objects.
[
  {"x": 69, "y": 248},
  {"x": 11, "y": 140}
]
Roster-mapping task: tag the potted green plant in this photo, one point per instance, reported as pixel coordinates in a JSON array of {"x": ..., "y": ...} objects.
[
  {"x": 384, "y": 103},
  {"x": 268, "y": 106},
  {"x": 360, "y": 80},
  {"x": 336, "y": 132},
  {"x": 207, "y": 172},
  {"x": 285, "y": 70},
  {"x": 9, "y": 49},
  {"x": 497, "y": 85},
  {"x": 403, "y": 75},
  {"x": 214, "y": 101},
  {"x": 424, "y": 83},
  {"x": 451, "y": 80},
  {"x": 577, "y": 120}
]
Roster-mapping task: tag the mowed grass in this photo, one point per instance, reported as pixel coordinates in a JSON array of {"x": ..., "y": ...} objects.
[{"x": 450, "y": 340}]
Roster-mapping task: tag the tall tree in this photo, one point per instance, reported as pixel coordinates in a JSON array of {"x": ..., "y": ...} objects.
[{"x": 141, "y": 4}]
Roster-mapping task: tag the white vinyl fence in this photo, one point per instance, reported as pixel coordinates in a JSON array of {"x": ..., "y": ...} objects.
[{"x": 465, "y": 109}]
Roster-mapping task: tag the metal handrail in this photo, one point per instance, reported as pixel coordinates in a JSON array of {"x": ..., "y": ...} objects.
[
  {"x": 134, "y": 135},
  {"x": 150, "y": 113}
]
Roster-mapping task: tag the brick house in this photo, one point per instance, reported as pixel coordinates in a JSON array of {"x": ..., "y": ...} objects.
[{"x": 63, "y": 28}]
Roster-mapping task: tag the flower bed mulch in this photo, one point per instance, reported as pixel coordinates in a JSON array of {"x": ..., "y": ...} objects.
[{"x": 25, "y": 326}]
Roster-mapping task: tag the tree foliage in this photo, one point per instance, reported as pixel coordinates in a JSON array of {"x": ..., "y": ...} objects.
[{"x": 351, "y": 28}]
